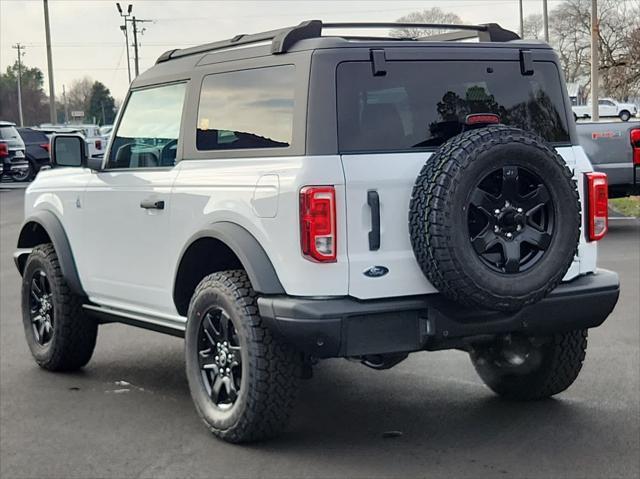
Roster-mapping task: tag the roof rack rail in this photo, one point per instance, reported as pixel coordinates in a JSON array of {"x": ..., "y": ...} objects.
[{"x": 284, "y": 38}]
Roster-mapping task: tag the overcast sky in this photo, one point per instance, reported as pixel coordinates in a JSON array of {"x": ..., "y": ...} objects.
[{"x": 87, "y": 40}]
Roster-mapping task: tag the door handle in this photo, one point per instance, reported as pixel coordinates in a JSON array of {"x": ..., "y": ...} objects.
[
  {"x": 373, "y": 200},
  {"x": 152, "y": 204}
]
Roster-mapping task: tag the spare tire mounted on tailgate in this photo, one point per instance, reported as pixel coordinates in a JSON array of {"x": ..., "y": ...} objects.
[{"x": 495, "y": 218}]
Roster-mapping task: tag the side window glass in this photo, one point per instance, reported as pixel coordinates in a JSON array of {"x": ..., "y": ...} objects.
[
  {"x": 246, "y": 109},
  {"x": 147, "y": 136}
]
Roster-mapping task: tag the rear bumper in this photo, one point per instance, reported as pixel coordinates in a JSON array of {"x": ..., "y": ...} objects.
[{"x": 340, "y": 327}]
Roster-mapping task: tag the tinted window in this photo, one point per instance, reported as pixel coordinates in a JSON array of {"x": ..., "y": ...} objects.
[
  {"x": 246, "y": 109},
  {"x": 33, "y": 136},
  {"x": 423, "y": 104},
  {"x": 148, "y": 133}
]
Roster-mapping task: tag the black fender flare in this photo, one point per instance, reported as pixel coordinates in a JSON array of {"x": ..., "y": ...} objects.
[
  {"x": 246, "y": 247},
  {"x": 28, "y": 238}
]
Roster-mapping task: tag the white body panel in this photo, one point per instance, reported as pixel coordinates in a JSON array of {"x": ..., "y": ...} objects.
[
  {"x": 363, "y": 173},
  {"x": 127, "y": 256}
]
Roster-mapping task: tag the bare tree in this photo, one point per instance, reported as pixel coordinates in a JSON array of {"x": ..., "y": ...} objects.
[
  {"x": 533, "y": 26},
  {"x": 432, "y": 15},
  {"x": 570, "y": 27},
  {"x": 79, "y": 94}
]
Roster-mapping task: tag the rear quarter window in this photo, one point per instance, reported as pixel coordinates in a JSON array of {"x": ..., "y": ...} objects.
[
  {"x": 421, "y": 104},
  {"x": 246, "y": 109}
]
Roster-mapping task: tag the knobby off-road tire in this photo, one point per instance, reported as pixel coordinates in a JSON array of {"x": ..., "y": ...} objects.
[
  {"x": 256, "y": 405},
  {"x": 442, "y": 205},
  {"x": 554, "y": 366},
  {"x": 68, "y": 341}
]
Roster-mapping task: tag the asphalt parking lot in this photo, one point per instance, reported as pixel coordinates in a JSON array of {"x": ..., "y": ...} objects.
[{"x": 129, "y": 414}]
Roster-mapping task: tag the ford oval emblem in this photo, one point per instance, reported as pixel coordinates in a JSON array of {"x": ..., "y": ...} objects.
[{"x": 376, "y": 271}]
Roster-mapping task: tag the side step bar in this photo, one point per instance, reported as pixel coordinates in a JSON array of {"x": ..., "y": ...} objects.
[{"x": 105, "y": 314}]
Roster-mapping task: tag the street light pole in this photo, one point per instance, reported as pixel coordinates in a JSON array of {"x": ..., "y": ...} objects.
[
  {"x": 595, "y": 114},
  {"x": 521, "y": 19},
  {"x": 126, "y": 33},
  {"x": 545, "y": 20},
  {"x": 52, "y": 95}
]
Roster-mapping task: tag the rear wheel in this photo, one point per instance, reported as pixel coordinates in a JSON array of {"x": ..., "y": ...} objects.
[
  {"x": 242, "y": 379},
  {"x": 60, "y": 336},
  {"x": 26, "y": 174},
  {"x": 526, "y": 369}
]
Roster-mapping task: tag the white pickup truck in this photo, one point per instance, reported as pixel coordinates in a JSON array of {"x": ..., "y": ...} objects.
[{"x": 607, "y": 107}]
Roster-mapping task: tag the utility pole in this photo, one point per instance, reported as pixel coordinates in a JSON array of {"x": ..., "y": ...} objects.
[
  {"x": 125, "y": 29},
  {"x": 19, "y": 47},
  {"x": 52, "y": 95},
  {"x": 521, "y": 19},
  {"x": 545, "y": 20},
  {"x": 66, "y": 107},
  {"x": 134, "y": 22},
  {"x": 595, "y": 114},
  {"x": 135, "y": 46}
]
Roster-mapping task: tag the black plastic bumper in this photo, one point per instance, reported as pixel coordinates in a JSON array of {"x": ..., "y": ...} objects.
[{"x": 339, "y": 327}]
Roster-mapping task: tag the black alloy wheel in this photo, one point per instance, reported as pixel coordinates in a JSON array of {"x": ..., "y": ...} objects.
[
  {"x": 219, "y": 357},
  {"x": 510, "y": 219},
  {"x": 41, "y": 307}
]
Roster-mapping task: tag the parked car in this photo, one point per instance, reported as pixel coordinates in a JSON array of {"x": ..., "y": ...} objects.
[
  {"x": 12, "y": 156},
  {"x": 318, "y": 197},
  {"x": 614, "y": 149},
  {"x": 95, "y": 141},
  {"x": 37, "y": 152},
  {"x": 607, "y": 107}
]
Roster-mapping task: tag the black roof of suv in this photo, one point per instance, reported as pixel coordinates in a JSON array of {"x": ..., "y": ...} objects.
[{"x": 318, "y": 60}]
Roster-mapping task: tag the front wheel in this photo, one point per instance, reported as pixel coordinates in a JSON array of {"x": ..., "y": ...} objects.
[
  {"x": 624, "y": 115},
  {"x": 60, "y": 336},
  {"x": 527, "y": 369},
  {"x": 242, "y": 379}
]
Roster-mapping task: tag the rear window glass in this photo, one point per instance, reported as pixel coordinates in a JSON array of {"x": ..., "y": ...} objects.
[
  {"x": 422, "y": 104},
  {"x": 8, "y": 133},
  {"x": 32, "y": 135},
  {"x": 247, "y": 109}
]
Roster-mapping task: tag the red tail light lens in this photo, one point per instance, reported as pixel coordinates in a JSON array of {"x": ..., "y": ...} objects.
[
  {"x": 482, "y": 119},
  {"x": 598, "y": 213},
  {"x": 4, "y": 150},
  {"x": 318, "y": 223},
  {"x": 98, "y": 144},
  {"x": 635, "y": 144},
  {"x": 45, "y": 146}
]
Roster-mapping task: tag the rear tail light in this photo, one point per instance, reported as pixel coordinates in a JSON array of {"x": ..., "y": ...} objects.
[
  {"x": 318, "y": 223},
  {"x": 597, "y": 207},
  {"x": 98, "y": 144},
  {"x": 45, "y": 146},
  {"x": 4, "y": 150},
  {"x": 635, "y": 145}
]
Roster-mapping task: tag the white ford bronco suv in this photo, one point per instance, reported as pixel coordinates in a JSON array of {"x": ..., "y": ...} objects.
[{"x": 283, "y": 197}]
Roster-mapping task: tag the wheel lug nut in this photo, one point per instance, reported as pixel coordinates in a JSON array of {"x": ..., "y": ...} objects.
[
  {"x": 496, "y": 211},
  {"x": 509, "y": 235},
  {"x": 519, "y": 210}
]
